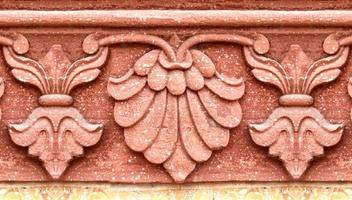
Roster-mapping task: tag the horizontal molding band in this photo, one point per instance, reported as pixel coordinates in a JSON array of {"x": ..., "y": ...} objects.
[
  {"x": 214, "y": 191},
  {"x": 173, "y": 18}
]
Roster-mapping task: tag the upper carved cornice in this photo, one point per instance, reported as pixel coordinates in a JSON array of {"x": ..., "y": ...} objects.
[{"x": 176, "y": 18}]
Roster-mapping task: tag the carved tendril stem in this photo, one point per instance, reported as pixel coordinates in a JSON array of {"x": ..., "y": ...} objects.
[
  {"x": 260, "y": 44},
  {"x": 6, "y": 41},
  {"x": 138, "y": 38},
  {"x": 334, "y": 42},
  {"x": 230, "y": 38},
  {"x": 17, "y": 42}
]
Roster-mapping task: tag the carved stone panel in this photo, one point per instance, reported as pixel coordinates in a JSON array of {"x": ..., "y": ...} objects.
[{"x": 167, "y": 96}]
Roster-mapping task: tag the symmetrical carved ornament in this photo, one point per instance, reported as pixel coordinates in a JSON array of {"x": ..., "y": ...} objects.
[
  {"x": 296, "y": 131},
  {"x": 173, "y": 104},
  {"x": 55, "y": 131}
]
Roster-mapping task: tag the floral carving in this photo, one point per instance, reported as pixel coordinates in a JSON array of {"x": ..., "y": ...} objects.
[
  {"x": 55, "y": 131},
  {"x": 174, "y": 106},
  {"x": 296, "y": 131}
]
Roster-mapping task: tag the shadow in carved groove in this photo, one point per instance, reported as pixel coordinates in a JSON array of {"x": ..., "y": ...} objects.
[
  {"x": 173, "y": 104},
  {"x": 296, "y": 131},
  {"x": 55, "y": 131}
]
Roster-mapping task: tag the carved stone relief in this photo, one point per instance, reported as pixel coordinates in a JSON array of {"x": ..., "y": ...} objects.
[
  {"x": 55, "y": 131},
  {"x": 174, "y": 106},
  {"x": 296, "y": 131}
]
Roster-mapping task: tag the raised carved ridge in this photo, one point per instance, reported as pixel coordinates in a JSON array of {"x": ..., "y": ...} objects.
[
  {"x": 173, "y": 104},
  {"x": 55, "y": 131},
  {"x": 296, "y": 132},
  {"x": 176, "y": 18}
]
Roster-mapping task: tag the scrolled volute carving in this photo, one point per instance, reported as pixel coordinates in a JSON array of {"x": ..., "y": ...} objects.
[
  {"x": 296, "y": 131},
  {"x": 55, "y": 131}
]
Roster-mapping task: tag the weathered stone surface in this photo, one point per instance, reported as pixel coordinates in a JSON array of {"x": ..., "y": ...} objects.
[{"x": 175, "y": 96}]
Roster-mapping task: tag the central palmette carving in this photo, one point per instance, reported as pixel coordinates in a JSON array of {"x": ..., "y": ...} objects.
[
  {"x": 296, "y": 131},
  {"x": 173, "y": 104},
  {"x": 55, "y": 131}
]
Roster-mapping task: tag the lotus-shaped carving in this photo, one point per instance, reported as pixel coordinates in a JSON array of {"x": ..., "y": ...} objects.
[
  {"x": 55, "y": 131},
  {"x": 173, "y": 104},
  {"x": 55, "y": 138},
  {"x": 296, "y": 131},
  {"x": 296, "y": 135}
]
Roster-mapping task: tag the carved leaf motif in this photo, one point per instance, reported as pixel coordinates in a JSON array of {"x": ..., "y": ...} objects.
[
  {"x": 225, "y": 87},
  {"x": 157, "y": 78},
  {"x": 54, "y": 73},
  {"x": 296, "y": 135},
  {"x": 176, "y": 83},
  {"x": 140, "y": 136},
  {"x": 2, "y": 87},
  {"x": 226, "y": 113},
  {"x": 325, "y": 70},
  {"x": 349, "y": 89},
  {"x": 296, "y": 64},
  {"x": 179, "y": 165},
  {"x": 176, "y": 114},
  {"x": 26, "y": 70},
  {"x": 56, "y": 132},
  {"x": 126, "y": 86},
  {"x": 55, "y": 135},
  {"x": 145, "y": 63},
  {"x": 297, "y": 73},
  {"x": 190, "y": 137},
  {"x": 165, "y": 143},
  {"x": 203, "y": 63},
  {"x": 129, "y": 112},
  {"x": 194, "y": 79},
  {"x": 84, "y": 70},
  {"x": 267, "y": 70},
  {"x": 55, "y": 64},
  {"x": 213, "y": 134}
]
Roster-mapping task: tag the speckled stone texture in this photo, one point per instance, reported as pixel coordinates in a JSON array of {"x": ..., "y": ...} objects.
[{"x": 112, "y": 160}]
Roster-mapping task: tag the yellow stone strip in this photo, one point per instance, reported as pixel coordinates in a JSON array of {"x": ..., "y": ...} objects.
[{"x": 210, "y": 191}]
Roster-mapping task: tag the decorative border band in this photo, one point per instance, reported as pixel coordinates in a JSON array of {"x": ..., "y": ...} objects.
[
  {"x": 220, "y": 191},
  {"x": 173, "y": 18}
]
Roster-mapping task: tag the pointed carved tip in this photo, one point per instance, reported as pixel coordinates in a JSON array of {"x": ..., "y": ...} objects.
[
  {"x": 179, "y": 177},
  {"x": 55, "y": 168},
  {"x": 296, "y": 51},
  {"x": 175, "y": 40},
  {"x": 179, "y": 165},
  {"x": 296, "y": 168}
]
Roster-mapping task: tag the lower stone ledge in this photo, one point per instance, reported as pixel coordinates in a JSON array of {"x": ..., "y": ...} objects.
[{"x": 211, "y": 191}]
